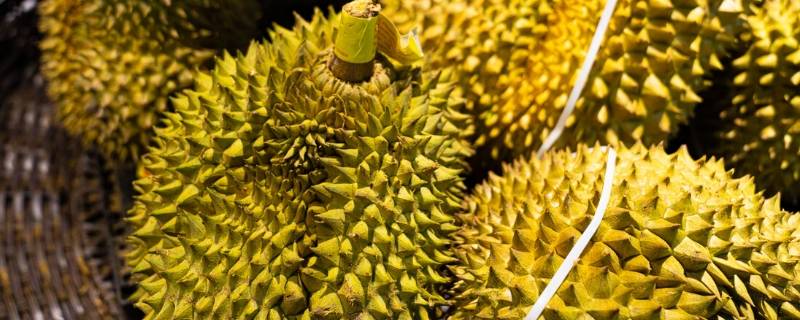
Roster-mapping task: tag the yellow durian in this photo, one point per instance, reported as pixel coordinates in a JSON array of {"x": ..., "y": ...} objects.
[
  {"x": 277, "y": 190},
  {"x": 680, "y": 239},
  {"x": 112, "y": 65},
  {"x": 517, "y": 61},
  {"x": 761, "y": 120}
]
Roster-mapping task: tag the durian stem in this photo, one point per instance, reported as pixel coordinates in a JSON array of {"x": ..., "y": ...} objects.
[
  {"x": 350, "y": 72},
  {"x": 355, "y": 45}
]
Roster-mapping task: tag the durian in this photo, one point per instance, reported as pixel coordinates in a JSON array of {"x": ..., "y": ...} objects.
[
  {"x": 680, "y": 239},
  {"x": 111, "y": 65},
  {"x": 277, "y": 191},
  {"x": 761, "y": 123},
  {"x": 518, "y": 59}
]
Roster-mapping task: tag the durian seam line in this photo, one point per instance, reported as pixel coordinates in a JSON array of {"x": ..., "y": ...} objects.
[
  {"x": 583, "y": 241},
  {"x": 583, "y": 76}
]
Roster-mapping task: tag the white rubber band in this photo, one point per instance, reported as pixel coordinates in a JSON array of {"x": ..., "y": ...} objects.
[
  {"x": 576, "y": 251},
  {"x": 583, "y": 76}
]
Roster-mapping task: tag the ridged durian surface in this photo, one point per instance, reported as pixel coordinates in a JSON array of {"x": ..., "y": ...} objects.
[
  {"x": 111, "y": 65},
  {"x": 277, "y": 191},
  {"x": 680, "y": 239},
  {"x": 761, "y": 126},
  {"x": 518, "y": 60}
]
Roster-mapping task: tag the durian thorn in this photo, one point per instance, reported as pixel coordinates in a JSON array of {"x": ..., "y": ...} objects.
[{"x": 355, "y": 46}]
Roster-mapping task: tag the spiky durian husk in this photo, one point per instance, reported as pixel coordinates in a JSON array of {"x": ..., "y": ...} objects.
[
  {"x": 111, "y": 65},
  {"x": 761, "y": 124},
  {"x": 680, "y": 239},
  {"x": 279, "y": 191},
  {"x": 518, "y": 61}
]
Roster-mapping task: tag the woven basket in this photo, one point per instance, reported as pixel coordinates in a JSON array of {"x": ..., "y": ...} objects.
[{"x": 60, "y": 219}]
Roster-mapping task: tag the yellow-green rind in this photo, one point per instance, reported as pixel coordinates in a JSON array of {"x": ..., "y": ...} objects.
[
  {"x": 278, "y": 191},
  {"x": 761, "y": 124},
  {"x": 111, "y": 65},
  {"x": 680, "y": 239},
  {"x": 518, "y": 60}
]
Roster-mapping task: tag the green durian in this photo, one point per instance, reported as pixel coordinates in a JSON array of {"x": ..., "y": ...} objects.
[
  {"x": 277, "y": 191},
  {"x": 111, "y": 65},
  {"x": 680, "y": 239},
  {"x": 761, "y": 121},
  {"x": 517, "y": 61}
]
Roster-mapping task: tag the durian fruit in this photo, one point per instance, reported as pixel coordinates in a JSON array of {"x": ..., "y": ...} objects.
[
  {"x": 278, "y": 191},
  {"x": 680, "y": 239},
  {"x": 111, "y": 65},
  {"x": 761, "y": 123},
  {"x": 518, "y": 61}
]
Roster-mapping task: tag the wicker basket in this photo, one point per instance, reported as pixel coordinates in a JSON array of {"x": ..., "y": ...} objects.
[{"x": 60, "y": 219}]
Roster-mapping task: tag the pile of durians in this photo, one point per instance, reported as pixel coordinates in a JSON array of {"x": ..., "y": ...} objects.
[{"x": 325, "y": 171}]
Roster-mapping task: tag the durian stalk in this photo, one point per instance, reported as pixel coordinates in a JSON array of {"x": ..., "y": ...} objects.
[
  {"x": 362, "y": 33},
  {"x": 356, "y": 41}
]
